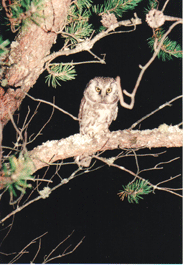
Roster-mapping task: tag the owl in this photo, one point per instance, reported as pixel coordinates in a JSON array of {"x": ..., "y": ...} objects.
[{"x": 98, "y": 108}]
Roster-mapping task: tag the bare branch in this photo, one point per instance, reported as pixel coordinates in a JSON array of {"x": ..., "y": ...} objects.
[
  {"x": 121, "y": 98},
  {"x": 157, "y": 165},
  {"x": 24, "y": 250},
  {"x": 115, "y": 165},
  {"x": 15, "y": 126},
  {"x": 9, "y": 230},
  {"x": 167, "y": 180},
  {"x": 39, "y": 247},
  {"x": 32, "y": 140},
  {"x": 89, "y": 43},
  {"x": 170, "y": 190},
  {"x": 155, "y": 187},
  {"x": 53, "y": 105},
  {"x": 46, "y": 259},
  {"x": 165, "y": 4},
  {"x": 77, "y": 145},
  {"x": 144, "y": 68},
  {"x": 65, "y": 252},
  {"x": 156, "y": 110}
]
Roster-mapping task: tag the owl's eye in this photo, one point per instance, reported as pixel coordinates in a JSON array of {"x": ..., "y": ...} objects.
[
  {"x": 109, "y": 90},
  {"x": 98, "y": 89}
]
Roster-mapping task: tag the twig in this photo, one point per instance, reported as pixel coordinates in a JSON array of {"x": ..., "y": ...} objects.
[
  {"x": 87, "y": 44},
  {"x": 15, "y": 126},
  {"x": 27, "y": 115},
  {"x": 7, "y": 254},
  {"x": 25, "y": 125},
  {"x": 167, "y": 180},
  {"x": 9, "y": 230},
  {"x": 53, "y": 105},
  {"x": 46, "y": 259},
  {"x": 144, "y": 68},
  {"x": 123, "y": 31},
  {"x": 75, "y": 145},
  {"x": 23, "y": 145},
  {"x": 156, "y": 166},
  {"x": 35, "y": 112},
  {"x": 165, "y": 4},
  {"x": 65, "y": 253},
  {"x": 23, "y": 251},
  {"x": 96, "y": 57},
  {"x": 115, "y": 165},
  {"x": 32, "y": 140},
  {"x": 39, "y": 247},
  {"x": 20, "y": 208},
  {"x": 142, "y": 155},
  {"x": 63, "y": 181},
  {"x": 83, "y": 62},
  {"x": 170, "y": 190},
  {"x": 153, "y": 112},
  {"x": 37, "y": 186}
]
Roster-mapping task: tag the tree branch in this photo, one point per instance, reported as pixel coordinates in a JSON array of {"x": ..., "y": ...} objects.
[
  {"x": 88, "y": 44},
  {"x": 145, "y": 67},
  {"x": 76, "y": 145},
  {"x": 26, "y": 56}
]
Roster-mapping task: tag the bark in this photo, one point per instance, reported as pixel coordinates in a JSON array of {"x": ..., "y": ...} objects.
[
  {"x": 26, "y": 56},
  {"x": 75, "y": 145}
]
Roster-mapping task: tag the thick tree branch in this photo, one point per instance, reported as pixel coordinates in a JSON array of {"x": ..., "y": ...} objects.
[
  {"x": 27, "y": 53},
  {"x": 31, "y": 50},
  {"x": 51, "y": 151},
  {"x": 88, "y": 44},
  {"x": 76, "y": 145}
]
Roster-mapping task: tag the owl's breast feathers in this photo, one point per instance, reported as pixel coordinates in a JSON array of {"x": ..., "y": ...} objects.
[{"x": 96, "y": 117}]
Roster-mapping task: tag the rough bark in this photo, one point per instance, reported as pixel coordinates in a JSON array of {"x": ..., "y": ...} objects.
[
  {"x": 26, "y": 56},
  {"x": 75, "y": 145}
]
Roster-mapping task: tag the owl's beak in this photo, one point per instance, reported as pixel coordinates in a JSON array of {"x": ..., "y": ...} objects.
[{"x": 102, "y": 97}]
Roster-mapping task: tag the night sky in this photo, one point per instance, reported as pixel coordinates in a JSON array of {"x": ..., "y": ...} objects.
[{"x": 115, "y": 231}]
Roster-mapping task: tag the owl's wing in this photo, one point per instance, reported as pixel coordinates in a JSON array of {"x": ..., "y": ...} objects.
[
  {"x": 115, "y": 114},
  {"x": 81, "y": 109}
]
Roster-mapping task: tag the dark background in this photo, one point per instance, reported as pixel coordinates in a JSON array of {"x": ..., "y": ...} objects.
[{"x": 115, "y": 231}]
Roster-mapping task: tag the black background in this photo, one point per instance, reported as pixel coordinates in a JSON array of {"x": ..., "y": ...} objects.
[{"x": 115, "y": 231}]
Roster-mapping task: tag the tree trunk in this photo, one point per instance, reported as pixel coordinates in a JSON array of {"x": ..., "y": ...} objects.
[{"x": 27, "y": 53}]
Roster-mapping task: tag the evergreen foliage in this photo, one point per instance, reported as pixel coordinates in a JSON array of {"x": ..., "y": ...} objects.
[
  {"x": 60, "y": 72},
  {"x": 26, "y": 11},
  {"x": 81, "y": 4},
  {"x": 77, "y": 29},
  {"x": 152, "y": 4},
  {"x": 133, "y": 191},
  {"x": 118, "y": 7},
  {"x": 77, "y": 26},
  {"x": 3, "y": 47},
  {"x": 169, "y": 48},
  {"x": 19, "y": 171}
]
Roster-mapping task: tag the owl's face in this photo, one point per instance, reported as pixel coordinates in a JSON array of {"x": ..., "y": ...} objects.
[{"x": 102, "y": 90}]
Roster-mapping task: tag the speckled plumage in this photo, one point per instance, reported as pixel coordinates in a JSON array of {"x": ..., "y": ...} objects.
[{"x": 98, "y": 107}]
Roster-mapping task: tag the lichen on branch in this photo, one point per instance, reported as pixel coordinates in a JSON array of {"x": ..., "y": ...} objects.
[{"x": 76, "y": 145}]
